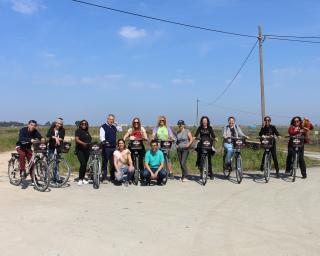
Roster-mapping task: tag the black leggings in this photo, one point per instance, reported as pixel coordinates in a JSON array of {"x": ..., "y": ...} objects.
[
  {"x": 83, "y": 157},
  {"x": 302, "y": 163},
  {"x": 273, "y": 152}
]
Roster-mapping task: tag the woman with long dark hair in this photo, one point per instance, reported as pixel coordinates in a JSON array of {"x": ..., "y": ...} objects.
[
  {"x": 205, "y": 132},
  {"x": 296, "y": 129},
  {"x": 83, "y": 139}
]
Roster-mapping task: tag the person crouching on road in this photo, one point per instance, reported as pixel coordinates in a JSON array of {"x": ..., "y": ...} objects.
[
  {"x": 154, "y": 162},
  {"x": 123, "y": 162}
]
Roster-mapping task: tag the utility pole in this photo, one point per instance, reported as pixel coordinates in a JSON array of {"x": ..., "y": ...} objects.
[
  {"x": 263, "y": 107},
  {"x": 197, "y": 117}
]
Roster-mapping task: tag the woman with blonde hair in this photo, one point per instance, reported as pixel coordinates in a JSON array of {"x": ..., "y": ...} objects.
[{"x": 163, "y": 132}]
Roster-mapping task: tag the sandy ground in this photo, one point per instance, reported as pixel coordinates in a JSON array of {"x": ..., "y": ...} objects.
[{"x": 222, "y": 218}]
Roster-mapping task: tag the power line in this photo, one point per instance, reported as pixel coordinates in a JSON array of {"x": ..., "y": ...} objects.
[
  {"x": 287, "y": 36},
  {"x": 165, "y": 20},
  {"x": 292, "y": 40},
  {"x": 236, "y": 75}
]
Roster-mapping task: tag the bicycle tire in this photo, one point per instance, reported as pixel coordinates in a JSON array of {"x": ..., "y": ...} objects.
[
  {"x": 204, "y": 170},
  {"x": 40, "y": 175},
  {"x": 136, "y": 174},
  {"x": 226, "y": 171},
  {"x": 165, "y": 179},
  {"x": 61, "y": 176},
  {"x": 267, "y": 167},
  {"x": 14, "y": 172},
  {"x": 96, "y": 174},
  {"x": 294, "y": 167},
  {"x": 239, "y": 172}
]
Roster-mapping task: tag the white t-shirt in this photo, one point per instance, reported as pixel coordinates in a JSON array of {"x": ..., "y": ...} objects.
[{"x": 122, "y": 158}]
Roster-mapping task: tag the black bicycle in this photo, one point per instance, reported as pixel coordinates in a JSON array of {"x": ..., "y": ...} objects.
[
  {"x": 59, "y": 169},
  {"x": 297, "y": 144},
  {"x": 37, "y": 166},
  {"x": 165, "y": 146},
  {"x": 136, "y": 146},
  {"x": 238, "y": 143},
  {"x": 267, "y": 144},
  {"x": 206, "y": 148},
  {"x": 94, "y": 163}
]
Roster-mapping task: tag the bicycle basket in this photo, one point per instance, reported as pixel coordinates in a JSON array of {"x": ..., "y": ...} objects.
[
  {"x": 267, "y": 143},
  {"x": 65, "y": 147},
  {"x": 95, "y": 149},
  {"x": 165, "y": 144},
  {"x": 238, "y": 143},
  {"x": 40, "y": 147},
  {"x": 136, "y": 144},
  {"x": 298, "y": 141},
  {"x": 206, "y": 144}
]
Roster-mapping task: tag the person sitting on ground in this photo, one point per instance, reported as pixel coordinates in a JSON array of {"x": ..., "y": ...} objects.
[
  {"x": 123, "y": 162},
  {"x": 154, "y": 162}
]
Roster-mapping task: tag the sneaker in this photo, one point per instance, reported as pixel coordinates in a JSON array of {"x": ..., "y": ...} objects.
[
  {"x": 23, "y": 174},
  {"x": 126, "y": 184},
  {"x": 277, "y": 175},
  {"x": 80, "y": 182},
  {"x": 171, "y": 176},
  {"x": 85, "y": 182}
]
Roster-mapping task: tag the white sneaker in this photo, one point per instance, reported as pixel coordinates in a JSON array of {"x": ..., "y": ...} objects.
[
  {"x": 84, "y": 182},
  {"x": 80, "y": 182}
]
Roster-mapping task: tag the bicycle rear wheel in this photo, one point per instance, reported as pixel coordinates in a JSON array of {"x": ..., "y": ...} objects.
[
  {"x": 40, "y": 175},
  {"x": 59, "y": 171},
  {"x": 267, "y": 167},
  {"x": 239, "y": 172},
  {"x": 14, "y": 172},
  {"x": 96, "y": 174},
  {"x": 204, "y": 170}
]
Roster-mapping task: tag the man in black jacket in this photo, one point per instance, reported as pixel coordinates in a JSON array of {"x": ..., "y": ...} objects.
[
  {"x": 266, "y": 130},
  {"x": 27, "y": 136}
]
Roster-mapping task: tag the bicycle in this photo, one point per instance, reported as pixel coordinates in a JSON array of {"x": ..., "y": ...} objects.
[
  {"x": 37, "y": 167},
  {"x": 136, "y": 146},
  {"x": 206, "y": 147},
  {"x": 165, "y": 146},
  {"x": 94, "y": 163},
  {"x": 267, "y": 144},
  {"x": 59, "y": 168},
  {"x": 297, "y": 143},
  {"x": 238, "y": 143}
]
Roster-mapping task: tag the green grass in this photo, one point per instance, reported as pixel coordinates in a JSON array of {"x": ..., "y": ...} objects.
[{"x": 251, "y": 158}]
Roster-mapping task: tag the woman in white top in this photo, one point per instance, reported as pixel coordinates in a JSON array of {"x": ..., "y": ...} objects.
[{"x": 123, "y": 162}]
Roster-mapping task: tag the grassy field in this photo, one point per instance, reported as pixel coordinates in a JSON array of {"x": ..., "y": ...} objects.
[{"x": 251, "y": 158}]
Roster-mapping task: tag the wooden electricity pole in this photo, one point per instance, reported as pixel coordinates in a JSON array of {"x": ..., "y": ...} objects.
[
  {"x": 197, "y": 117},
  {"x": 263, "y": 107}
]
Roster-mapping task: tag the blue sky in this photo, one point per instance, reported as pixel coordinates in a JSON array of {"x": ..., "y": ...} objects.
[{"x": 61, "y": 58}]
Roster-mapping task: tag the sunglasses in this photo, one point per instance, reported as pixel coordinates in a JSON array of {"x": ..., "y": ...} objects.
[
  {"x": 136, "y": 122},
  {"x": 161, "y": 120}
]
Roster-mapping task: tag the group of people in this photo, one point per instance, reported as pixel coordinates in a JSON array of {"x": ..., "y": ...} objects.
[{"x": 119, "y": 159}]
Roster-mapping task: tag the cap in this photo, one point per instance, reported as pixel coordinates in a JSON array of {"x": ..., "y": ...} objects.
[{"x": 180, "y": 122}]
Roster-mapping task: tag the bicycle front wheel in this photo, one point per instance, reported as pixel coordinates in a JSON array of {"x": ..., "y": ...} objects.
[
  {"x": 239, "y": 172},
  {"x": 204, "y": 172},
  {"x": 136, "y": 172},
  {"x": 40, "y": 175},
  {"x": 294, "y": 167},
  {"x": 14, "y": 172},
  {"x": 165, "y": 179},
  {"x": 59, "y": 171},
  {"x": 267, "y": 167},
  {"x": 96, "y": 173}
]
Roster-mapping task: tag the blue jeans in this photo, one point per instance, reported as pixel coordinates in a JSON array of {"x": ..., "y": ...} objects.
[
  {"x": 161, "y": 175},
  {"x": 125, "y": 170},
  {"x": 55, "y": 167},
  {"x": 228, "y": 148}
]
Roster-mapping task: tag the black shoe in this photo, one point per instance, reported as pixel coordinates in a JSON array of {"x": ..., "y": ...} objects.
[
  {"x": 211, "y": 177},
  {"x": 277, "y": 175},
  {"x": 171, "y": 176},
  {"x": 287, "y": 171},
  {"x": 304, "y": 177}
]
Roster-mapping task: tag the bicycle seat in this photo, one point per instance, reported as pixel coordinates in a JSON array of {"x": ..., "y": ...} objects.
[{"x": 15, "y": 155}]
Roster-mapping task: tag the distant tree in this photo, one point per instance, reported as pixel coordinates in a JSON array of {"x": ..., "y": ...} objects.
[
  {"x": 77, "y": 123},
  {"x": 47, "y": 124},
  {"x": 10, "y": 123}
]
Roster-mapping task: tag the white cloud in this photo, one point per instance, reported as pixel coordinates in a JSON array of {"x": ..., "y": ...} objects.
[
  {"x": 144, "y": 85},
  {"x": 180, "y": 81},
  {"x": 131, "y": 32},
  {"x": 26, "y": 6}
]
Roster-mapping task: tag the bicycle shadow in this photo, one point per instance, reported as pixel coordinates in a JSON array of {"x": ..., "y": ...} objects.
[{"x": 28, "y": 183}]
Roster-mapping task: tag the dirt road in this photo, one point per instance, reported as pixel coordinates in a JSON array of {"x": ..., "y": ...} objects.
[{"x": 223, "y": 218}]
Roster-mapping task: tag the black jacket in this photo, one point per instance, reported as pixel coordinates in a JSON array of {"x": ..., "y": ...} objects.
[
  {"x": 50, "y": 133},
  {"x": 25, "y": 137}
]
